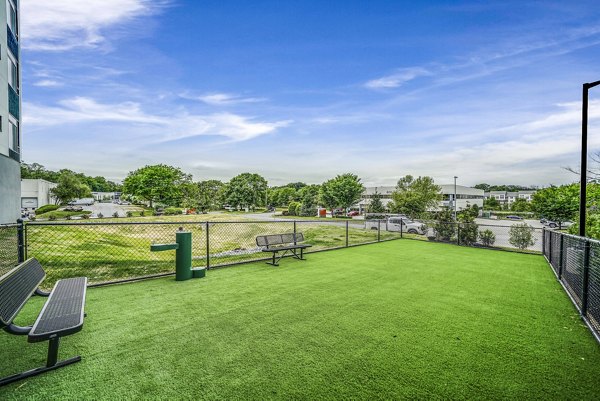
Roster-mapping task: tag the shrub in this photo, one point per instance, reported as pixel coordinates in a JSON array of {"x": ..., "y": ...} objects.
[
  {"x": 521, "y": 236},
  {"x": 129, "y": 214},
  {"x": 46, "y": 208},
  {"x": 172, "y": 211},
  {"x": 142, "y": 213},
  {"x": 51, "y": 217},
  {"x": 308, "y": 210},
  {"x": 294, "y": 208},
  {"x": 116, "y": 215},
  {"x": 487, "y": 237},
  {"x": 444, "y": 226},
  {"x": 85, "y": 216},
  {"x": 467, "y": 235},
  {"x": 68, "y": 217},
  {"x": 100, "y": 215},
  {"x": 31, "y": 218}
]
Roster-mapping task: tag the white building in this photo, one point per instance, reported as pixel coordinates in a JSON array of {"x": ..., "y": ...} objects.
[
  {"x": 10, "y": 111},
  {"x": 36, "y": 193},
  {"x": 507, "y": 198},
  {"x": 466, "y": 196}
]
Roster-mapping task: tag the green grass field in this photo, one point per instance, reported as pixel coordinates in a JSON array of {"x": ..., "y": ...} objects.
[{"x": 400, "y": 319}]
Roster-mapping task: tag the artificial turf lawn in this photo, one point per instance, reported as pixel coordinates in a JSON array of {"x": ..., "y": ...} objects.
[{"x": 401, "y": 319}]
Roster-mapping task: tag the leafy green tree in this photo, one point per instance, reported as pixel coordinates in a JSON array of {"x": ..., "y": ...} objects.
[
  {"x": 246, "y": 190},
  {"x": 558, "y": 204},
  {"x": 520, "y": 205},
  {"x": 210, "y": 194},
  {"x": 415, "y": 197},
  {"x": 376, "y": 206},
  {"x": 287, "y": 195},
  {"x": 157, "y": 183},
  {"x": 491, "y": 203},
  {"x": 343, "y": 191},
  {"x": 309, "y": 196},
  {"x": 294, "y": 208},
  {"x": 521, "y": 236},
  {"x": 190, "y": 195},
  {"x": 69, "y": 187}
]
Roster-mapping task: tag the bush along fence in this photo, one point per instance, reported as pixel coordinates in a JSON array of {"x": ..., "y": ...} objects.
[
  {"x": 109, "y": 252},
  {"x": 576, "y": 263}
]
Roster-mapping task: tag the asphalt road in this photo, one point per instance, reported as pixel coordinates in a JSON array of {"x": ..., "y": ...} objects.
[{"x": 109, "y": 209}]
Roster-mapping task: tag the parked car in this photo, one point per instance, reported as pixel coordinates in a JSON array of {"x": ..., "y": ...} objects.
[
  {"x": 83, "y": 201},
  {"x": 73, "y": 209},
  {"x": 398, "y": 224},
  {"x": 353, "y": 213},
  {"x": 514, "y": 218},
  {"x": 556, "y": 224}
]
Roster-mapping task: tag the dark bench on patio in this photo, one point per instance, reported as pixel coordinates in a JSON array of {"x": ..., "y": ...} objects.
[
  {"x": 285, "y": 243},
  {"x": 61, "y": 315}
]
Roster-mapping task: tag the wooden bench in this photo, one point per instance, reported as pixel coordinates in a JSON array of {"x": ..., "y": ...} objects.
[
  {"x": 61, "y": 315},
  {"x": 285, "y": 243}
]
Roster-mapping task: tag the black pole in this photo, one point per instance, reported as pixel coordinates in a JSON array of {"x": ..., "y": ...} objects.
[
  {"x": 20, "y": 241},
  {"x": 583, "y": 174}
]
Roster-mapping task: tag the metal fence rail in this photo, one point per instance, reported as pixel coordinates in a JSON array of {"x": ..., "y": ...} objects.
[{"x": 576, "y": 262}]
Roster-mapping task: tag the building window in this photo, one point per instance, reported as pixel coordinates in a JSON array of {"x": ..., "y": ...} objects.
[
  {"x": 13, "y": 22},
  {"x": 13, "y": 74},
  {"x": 13, "y": 136}
]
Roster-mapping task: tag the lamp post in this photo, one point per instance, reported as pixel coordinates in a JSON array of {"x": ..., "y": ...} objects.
[
  {"x": 455, "y": 177},
  {"x": 583, "y": 174}
]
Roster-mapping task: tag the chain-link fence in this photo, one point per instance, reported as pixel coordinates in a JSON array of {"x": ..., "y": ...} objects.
[
  {"x": 521, "y": 237},
  {"x": 576, "y": 263},
  {"x": 108, "y": 252},
  {"x": 9, "y": 247}
]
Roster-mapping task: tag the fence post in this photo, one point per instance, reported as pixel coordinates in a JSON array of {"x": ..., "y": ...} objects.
[
  {"x": 346, "y": 233},
  {"x": 207, "y": 248},
  {"x": 378, "y": 230},
  {"x": 20, "y": 241},
  {"x": 544, "y": 241},
  {"x": 401, "y": 228},
  {"x": 550, "y": 247},
  {"x": 294, "y": 232},
  {"x": 561, "y": 255},
  {"x": 586, "y": 278},
  {"x": 457, "y": 233}
]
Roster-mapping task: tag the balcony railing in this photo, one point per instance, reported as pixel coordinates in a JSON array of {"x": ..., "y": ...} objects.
[
  {"x": 13, "y": 45},
  {"x": 13, "y": 102}
]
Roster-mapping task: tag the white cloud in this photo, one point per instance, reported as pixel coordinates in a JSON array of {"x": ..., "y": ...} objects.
[
  {"x": 397, "y": 79},
  {"x": 172, "y": 127},
  {"x": 47, "y": 83},
  {"x": 222, "y": 98},
  {"x": 65, "y": 24}
]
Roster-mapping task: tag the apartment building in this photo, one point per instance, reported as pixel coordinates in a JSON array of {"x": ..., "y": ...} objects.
[
  {"x": 465, "y": 196},
  {"x": 10, "y": 114}
]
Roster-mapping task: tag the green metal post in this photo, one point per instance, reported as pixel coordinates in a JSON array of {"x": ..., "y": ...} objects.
[{"x": 183, "y": 255}]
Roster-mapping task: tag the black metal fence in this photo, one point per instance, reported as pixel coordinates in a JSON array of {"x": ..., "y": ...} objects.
[
  {"x": 109, "y": 252},
  {"x": 512, "y": 236},
  {"x": 576, "y": 262}
]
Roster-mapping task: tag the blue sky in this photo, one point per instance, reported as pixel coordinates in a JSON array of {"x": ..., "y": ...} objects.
[{"x": 489, "y": 91}]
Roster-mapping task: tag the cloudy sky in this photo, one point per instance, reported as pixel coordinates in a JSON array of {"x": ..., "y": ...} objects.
[{"x": 489, "y": 91}]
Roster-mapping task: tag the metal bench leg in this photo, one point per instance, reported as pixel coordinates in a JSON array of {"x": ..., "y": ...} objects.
[{"x": 51, "y": 364}]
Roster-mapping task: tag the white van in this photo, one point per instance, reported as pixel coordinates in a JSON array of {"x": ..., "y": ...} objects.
[{"x": 398, "y": 224}]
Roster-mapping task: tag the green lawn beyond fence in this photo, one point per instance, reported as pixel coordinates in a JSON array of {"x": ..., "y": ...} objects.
[{"x": 394, "y": 320}]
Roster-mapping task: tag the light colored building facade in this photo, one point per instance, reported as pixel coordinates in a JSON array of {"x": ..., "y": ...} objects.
[
  {"x": 507, "y": 198},
  {"x": 465, "y": 196},
  {"x": 10, "y": 111},
  {"x": 36, "y": 193}
]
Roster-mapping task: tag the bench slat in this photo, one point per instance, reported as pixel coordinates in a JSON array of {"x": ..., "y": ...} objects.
[
  {"x": 63, "y": 312},
  {"x": 16, "y": 287}
]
